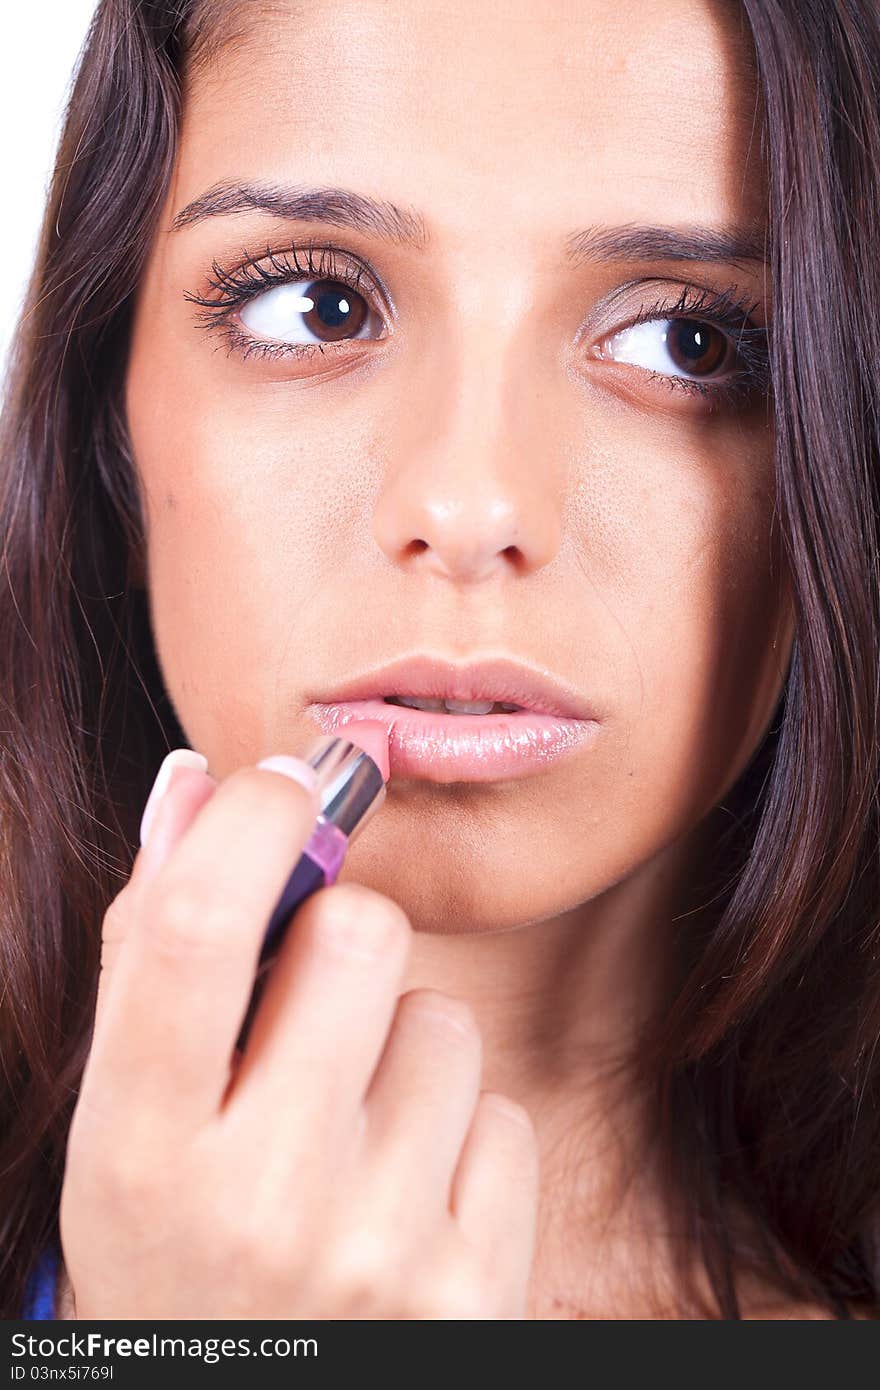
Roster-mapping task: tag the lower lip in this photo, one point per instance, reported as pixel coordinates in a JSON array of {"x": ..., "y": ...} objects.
[{"x": 463, "y": 747}]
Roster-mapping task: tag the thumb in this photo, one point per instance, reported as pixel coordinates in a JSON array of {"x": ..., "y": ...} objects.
[{"x": 182, "y": 786}]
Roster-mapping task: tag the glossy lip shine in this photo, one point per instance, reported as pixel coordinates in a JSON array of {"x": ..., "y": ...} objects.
[{"x": 439, "y": 747}]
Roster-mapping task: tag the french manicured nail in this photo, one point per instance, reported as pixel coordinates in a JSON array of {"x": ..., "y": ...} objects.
[
  {"x": 296, "y": 768},
  {"x": 178, "y": 757}
]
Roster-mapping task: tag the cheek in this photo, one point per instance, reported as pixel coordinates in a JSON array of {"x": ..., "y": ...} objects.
[
  {"x": 700, "y": 598},
  {"x": 243, "y": 500}
]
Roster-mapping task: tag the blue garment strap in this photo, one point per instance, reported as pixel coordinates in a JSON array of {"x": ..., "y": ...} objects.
[{"x": 40, "y": 1296}]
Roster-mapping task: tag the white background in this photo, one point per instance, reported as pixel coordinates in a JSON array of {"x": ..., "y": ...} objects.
[{"x": 41, "y": 43}]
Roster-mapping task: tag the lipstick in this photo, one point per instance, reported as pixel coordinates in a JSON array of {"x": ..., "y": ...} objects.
[
  {"x": 491, "y": 719},
  {"x": 440, "y": 747},
  {"x": 352, "y": 773}
]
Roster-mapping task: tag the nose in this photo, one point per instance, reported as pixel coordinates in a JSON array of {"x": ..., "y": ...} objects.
[{"x": 472, "y": 491}]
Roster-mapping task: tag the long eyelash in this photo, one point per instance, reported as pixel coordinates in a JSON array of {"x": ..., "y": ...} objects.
[
  {"x": 234, "y": 288},
  {"x": 732, "y": 314},
  {"x": 724, "y": 308}
]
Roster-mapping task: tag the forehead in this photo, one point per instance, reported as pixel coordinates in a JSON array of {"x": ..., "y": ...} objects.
[{"x": 547, "y": 113}]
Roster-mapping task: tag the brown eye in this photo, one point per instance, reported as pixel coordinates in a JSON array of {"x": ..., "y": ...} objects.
[
  {"x": 677, "y": 348},
  {"x": 697, "y": 347},
  {"x": 307, "y": 312},
  {"x": 338, "y": 312}
]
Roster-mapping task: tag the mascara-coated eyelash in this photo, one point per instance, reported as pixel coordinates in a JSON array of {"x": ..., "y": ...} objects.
[
  {"x": 723, "y": 309},
  {"x": 237, "y": 287},
  {"x": 726, "y": 310}
]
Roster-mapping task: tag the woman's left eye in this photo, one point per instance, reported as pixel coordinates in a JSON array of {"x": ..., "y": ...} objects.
[
  {"x": 691, "y": 349},
  {"x": 309, "y": 313}
]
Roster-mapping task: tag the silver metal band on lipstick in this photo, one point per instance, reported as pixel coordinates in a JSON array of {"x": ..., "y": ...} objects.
[{"x": 349, "y": 782}]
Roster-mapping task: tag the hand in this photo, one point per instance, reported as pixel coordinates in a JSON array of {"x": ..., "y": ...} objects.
[{"x": 348, "y": 1166}]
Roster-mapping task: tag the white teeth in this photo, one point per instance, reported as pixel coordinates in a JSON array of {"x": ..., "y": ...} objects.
[
  {"x": 451, "y": 706},
  {"x": 414, "y": 703},
  {"x": 469, "y": 706}
]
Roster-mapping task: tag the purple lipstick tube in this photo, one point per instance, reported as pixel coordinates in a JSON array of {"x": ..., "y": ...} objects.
[{"x": 351, "y": 789}]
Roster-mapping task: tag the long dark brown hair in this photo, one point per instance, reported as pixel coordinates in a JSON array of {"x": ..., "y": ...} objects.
[{"x": 766, "y": 1071}]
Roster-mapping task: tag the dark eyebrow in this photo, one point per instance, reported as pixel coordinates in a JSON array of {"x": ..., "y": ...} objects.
[
  {"x": 337, "y": 206},
  {"x": 636, "y": 242},
  {"x": 340, "y": 207}
]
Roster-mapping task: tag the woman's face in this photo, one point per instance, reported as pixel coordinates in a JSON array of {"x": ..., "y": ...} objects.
[{"x": 459, "y": 471}]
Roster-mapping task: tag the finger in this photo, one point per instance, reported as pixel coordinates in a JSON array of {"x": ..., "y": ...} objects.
[
  {"x": 495, "y": 1191},
  {"x": 323, "y": 1017},
  {"x": 185, "y": 968},
  {"x": 171, "y": 763},
  {"x": 187, "y": 786},
  {"x": 421, "y": 1100}
]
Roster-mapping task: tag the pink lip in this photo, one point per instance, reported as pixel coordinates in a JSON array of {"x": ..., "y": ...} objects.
[
  {"x": 498, "y": 678},
  {"x": 440, "y": 747}
]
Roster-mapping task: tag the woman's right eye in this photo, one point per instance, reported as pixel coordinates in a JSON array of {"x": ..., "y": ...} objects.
[{"x": 309, "y": 312}]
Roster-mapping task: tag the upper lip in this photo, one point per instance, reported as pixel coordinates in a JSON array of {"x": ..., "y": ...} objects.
[{"x": 438, "y": 678}]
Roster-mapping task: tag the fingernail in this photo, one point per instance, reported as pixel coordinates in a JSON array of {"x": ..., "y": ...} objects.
[
  {"x": 295, "y": 768},
  {"x": 178, "y": 757}
]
